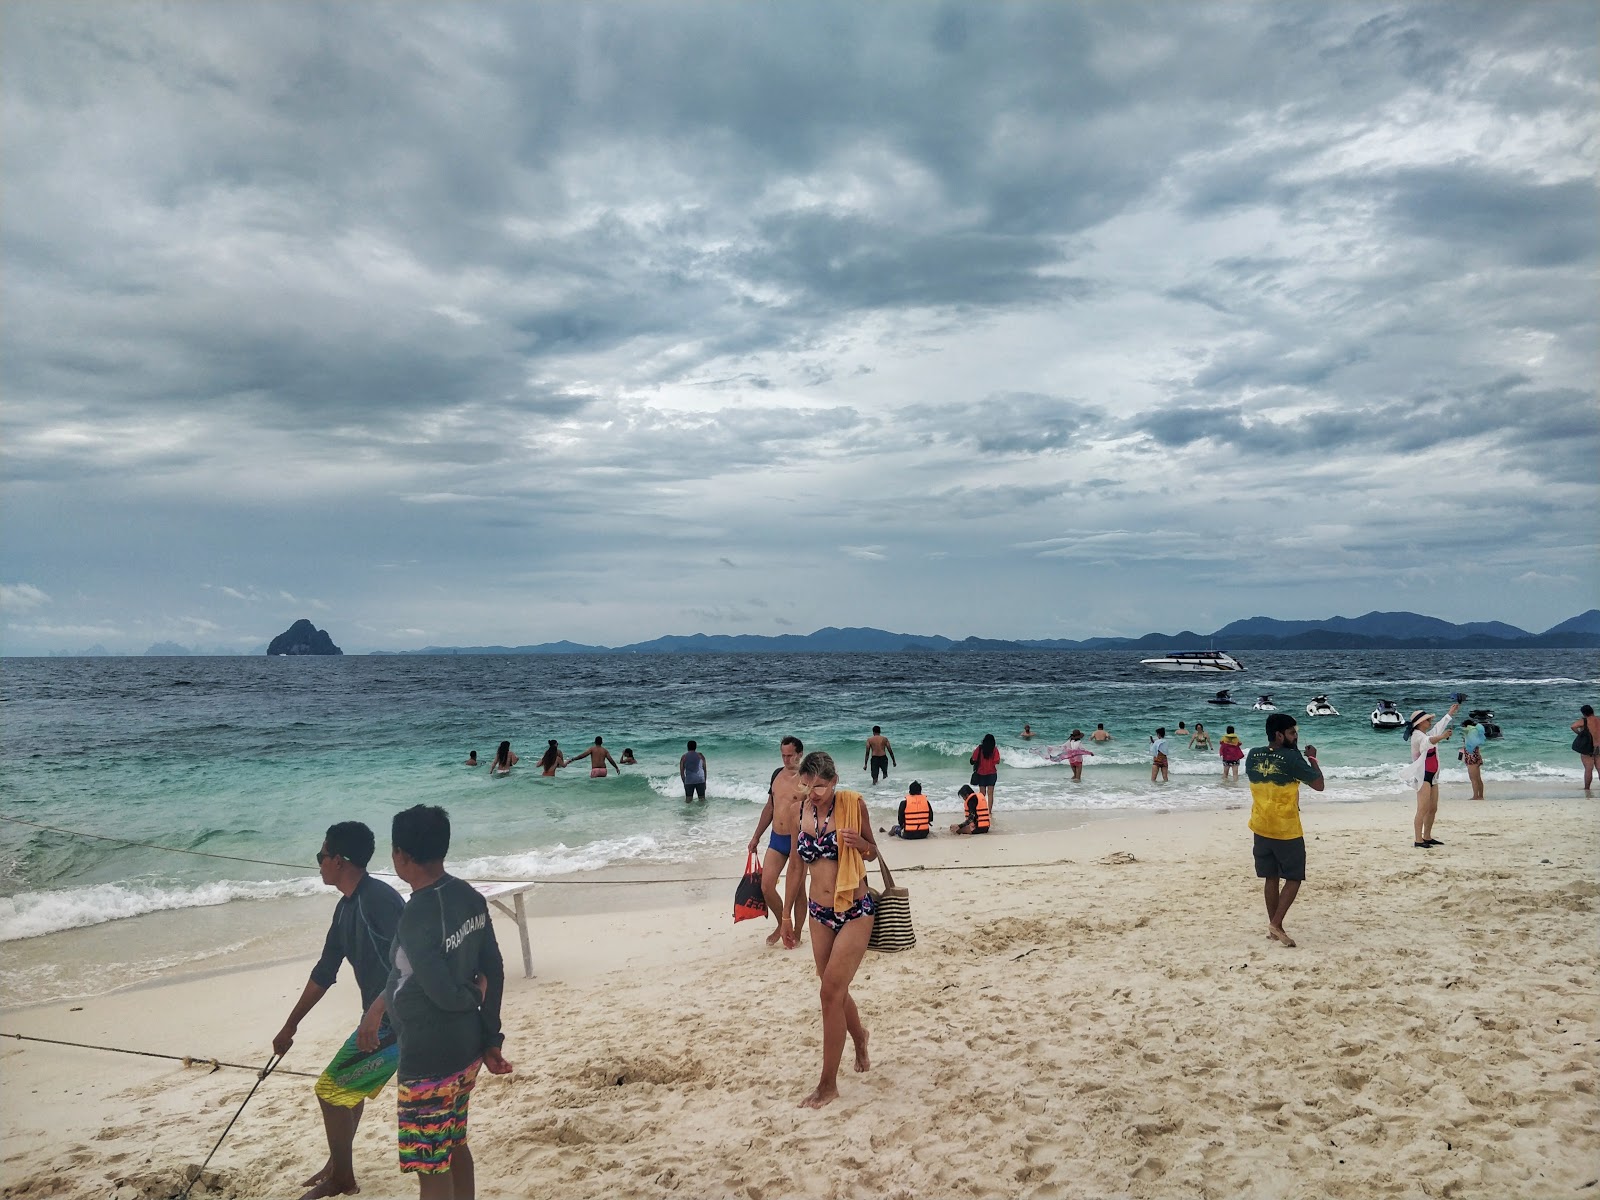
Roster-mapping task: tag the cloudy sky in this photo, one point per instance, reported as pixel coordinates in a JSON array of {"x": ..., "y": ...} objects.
[{"x": 469, "y": 323}]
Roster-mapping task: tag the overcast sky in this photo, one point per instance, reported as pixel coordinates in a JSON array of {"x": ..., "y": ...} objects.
[{"x": 468, "y": 323}]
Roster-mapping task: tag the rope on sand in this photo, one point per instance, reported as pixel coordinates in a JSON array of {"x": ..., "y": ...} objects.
[
  {"x": 267, "y": 862},
  {"x": 265, "y": 1071},
  {"x": 188, "y": 1060}
]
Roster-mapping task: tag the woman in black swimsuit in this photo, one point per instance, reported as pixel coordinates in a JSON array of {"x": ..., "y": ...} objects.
[{"x": 831, "y": 819}]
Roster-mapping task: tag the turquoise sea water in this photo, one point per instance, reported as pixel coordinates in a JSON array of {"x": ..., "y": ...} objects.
[{"x": 255, "y": 757}]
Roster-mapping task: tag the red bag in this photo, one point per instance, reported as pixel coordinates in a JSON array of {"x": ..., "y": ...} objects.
[{"x": 749, "y": 902}]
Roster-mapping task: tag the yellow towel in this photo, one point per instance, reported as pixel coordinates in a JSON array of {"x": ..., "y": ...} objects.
[{"x": 848, "y": 809}]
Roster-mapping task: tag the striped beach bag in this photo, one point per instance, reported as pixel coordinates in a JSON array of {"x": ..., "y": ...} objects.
[{"x": 891, "y": 924}]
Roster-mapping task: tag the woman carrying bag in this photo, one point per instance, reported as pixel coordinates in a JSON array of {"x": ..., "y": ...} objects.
[{"x": 833, "y": 846}]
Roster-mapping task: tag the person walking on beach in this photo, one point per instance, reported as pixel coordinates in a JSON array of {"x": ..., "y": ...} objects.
[
  {"x": 446, "y": 979},
  {"x": 1587, "y": 726},
  {"x": 504, "y": 760},
  {"x": 1158, "y": 755},
  {"x": 985, "y": 760},
  {"x": 1275, "y": 772},
  {"x": 1232, "y": 752},
  {"x": 552, "y": 760},
  {"x": 1423, "y": 773},
  {"x": 692, "y": 773},
  {"x": 782, "y": 813},
  {"x": 879, "y": 754},
  {"x": 833, "y": 846},
  {"x": 1471, "y": 754},
  {"x": 1100, "y": 734},
  {"x": 363, "y": 927},
  {"x": 598, "y": 757}
]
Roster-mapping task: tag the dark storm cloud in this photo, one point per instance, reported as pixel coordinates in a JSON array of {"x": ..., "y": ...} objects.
[
  {"x": 1524, "y": 221},
  {"x": 898, "y": 277},
  {"x": 835, "y": 261}
]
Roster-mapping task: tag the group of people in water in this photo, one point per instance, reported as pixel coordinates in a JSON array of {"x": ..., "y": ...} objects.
[{"x": 552, "y": 760}]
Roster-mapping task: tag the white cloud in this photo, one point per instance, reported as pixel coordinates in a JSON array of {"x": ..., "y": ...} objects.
[{"x": 21, "y": 597}]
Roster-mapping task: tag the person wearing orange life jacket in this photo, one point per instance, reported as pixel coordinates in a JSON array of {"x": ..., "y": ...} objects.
[
  {"x": 916, "y": 815},
  {"x": 977, "y": 805}
]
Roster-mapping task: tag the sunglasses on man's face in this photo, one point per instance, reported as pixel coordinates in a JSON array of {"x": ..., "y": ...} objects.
[{"x": 325, "y": 854}]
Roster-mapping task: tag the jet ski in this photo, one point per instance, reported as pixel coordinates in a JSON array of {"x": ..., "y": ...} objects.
[
  {"x": 1319, "y": 707},
  {"x": 1222, "y": 697},
  {"x": 1387, "y": 716},
  {"x": 1264, "y": 704}
]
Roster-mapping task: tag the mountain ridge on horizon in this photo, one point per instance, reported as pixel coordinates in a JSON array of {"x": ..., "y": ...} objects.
[{"x": 1371, "y": 631}]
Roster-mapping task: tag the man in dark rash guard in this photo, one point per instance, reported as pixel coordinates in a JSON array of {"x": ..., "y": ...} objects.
[
  {"x": 445, "y": 985},
  {"x": 362, "y": 930}
]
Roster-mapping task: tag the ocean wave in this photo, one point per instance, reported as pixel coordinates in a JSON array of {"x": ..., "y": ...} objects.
[{"x": 34, "y": 914}]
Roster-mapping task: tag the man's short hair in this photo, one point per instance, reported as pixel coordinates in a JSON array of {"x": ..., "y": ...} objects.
[
  {"x": 1279, "y": 723},
  {"x": 1161, "y": 731},
  {"x": 876, "y": 729},
  {"x": 691, "y": 744},
  {"x": 423, "y": 832},
  {"x": 351, "y": 841},
  {"x": 791, "y": 740}
]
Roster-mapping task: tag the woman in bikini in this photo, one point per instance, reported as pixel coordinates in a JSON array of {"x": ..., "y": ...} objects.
[
  {"x": 552, "y": 759},
  {"x": 504, "y": 760},
  {"x": 831, "y": 821}
]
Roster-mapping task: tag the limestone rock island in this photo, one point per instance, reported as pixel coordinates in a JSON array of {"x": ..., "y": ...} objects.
[{"x": 302, "y": 638}]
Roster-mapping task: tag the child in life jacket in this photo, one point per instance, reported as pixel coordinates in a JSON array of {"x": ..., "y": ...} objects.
[{"x": 1232, "y": 752}]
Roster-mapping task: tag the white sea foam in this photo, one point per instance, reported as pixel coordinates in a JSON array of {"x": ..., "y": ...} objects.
[{"x": 33, "y": 914}]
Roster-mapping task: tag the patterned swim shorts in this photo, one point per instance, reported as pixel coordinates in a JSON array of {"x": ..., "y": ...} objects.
[
  {"x": 432, "y": 1115},
  {"x": 354, "y": 1075}
]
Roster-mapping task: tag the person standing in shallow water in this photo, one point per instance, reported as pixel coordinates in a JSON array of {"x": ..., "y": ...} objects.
[
  {"x": 830, "y": 854},
  {"x": 985, "y": 760},
  {"x": 879, "y": 755}
]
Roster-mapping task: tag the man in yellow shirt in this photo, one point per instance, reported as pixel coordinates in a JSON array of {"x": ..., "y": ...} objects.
[{"x": 1275, "y": 772}]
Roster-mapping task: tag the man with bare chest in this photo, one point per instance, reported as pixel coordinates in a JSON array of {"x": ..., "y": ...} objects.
[
  {"x": 879, "y": 754},
  {"x": 782, "y": 812},
  {"x": 598, "y": 757}
]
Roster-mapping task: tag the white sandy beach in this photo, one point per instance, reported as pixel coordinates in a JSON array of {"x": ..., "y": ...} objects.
[{"x": 1079, "y": 1026}]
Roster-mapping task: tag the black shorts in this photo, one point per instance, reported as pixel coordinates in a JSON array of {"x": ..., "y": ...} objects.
[
  {"x": 693, "y": 790},
  {"x": 981, "y": 780},
  {"x": 1280, "y": 858}
]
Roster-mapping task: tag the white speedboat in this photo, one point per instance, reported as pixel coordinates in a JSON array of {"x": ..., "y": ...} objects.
[
  {"x": 1387, "y": 716},
  {"x": 1264, "y": 704},
  {"x": 1194, "y": 660},
  {"x": 1319, "y": 707}
]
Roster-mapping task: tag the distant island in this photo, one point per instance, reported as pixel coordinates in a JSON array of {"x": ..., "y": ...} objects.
[
  {"x": 302, "y": 638},
  {"x": 1374, "y": 631}
]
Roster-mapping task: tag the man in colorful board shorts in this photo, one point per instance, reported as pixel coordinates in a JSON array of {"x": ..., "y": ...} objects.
[
  {"x": 1275, "y": 772},
  {"x": 446, "y": 980},
  {"x": 364, "y": 922}
]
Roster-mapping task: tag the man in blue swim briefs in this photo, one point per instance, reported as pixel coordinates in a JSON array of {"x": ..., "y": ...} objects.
[
  {"x": 782, "y": 812},
  {"x": 363, "y": 928}
]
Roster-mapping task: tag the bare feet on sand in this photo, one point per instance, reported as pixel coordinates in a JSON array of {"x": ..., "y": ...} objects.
[
  {"x": 863, "y": 1063},
  {"x": 775, "y": 936},
  {"x": 820, "y": 1097},
  {"x": 1278, "y": 935},
  {"x": 321, "y": 1185}
]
